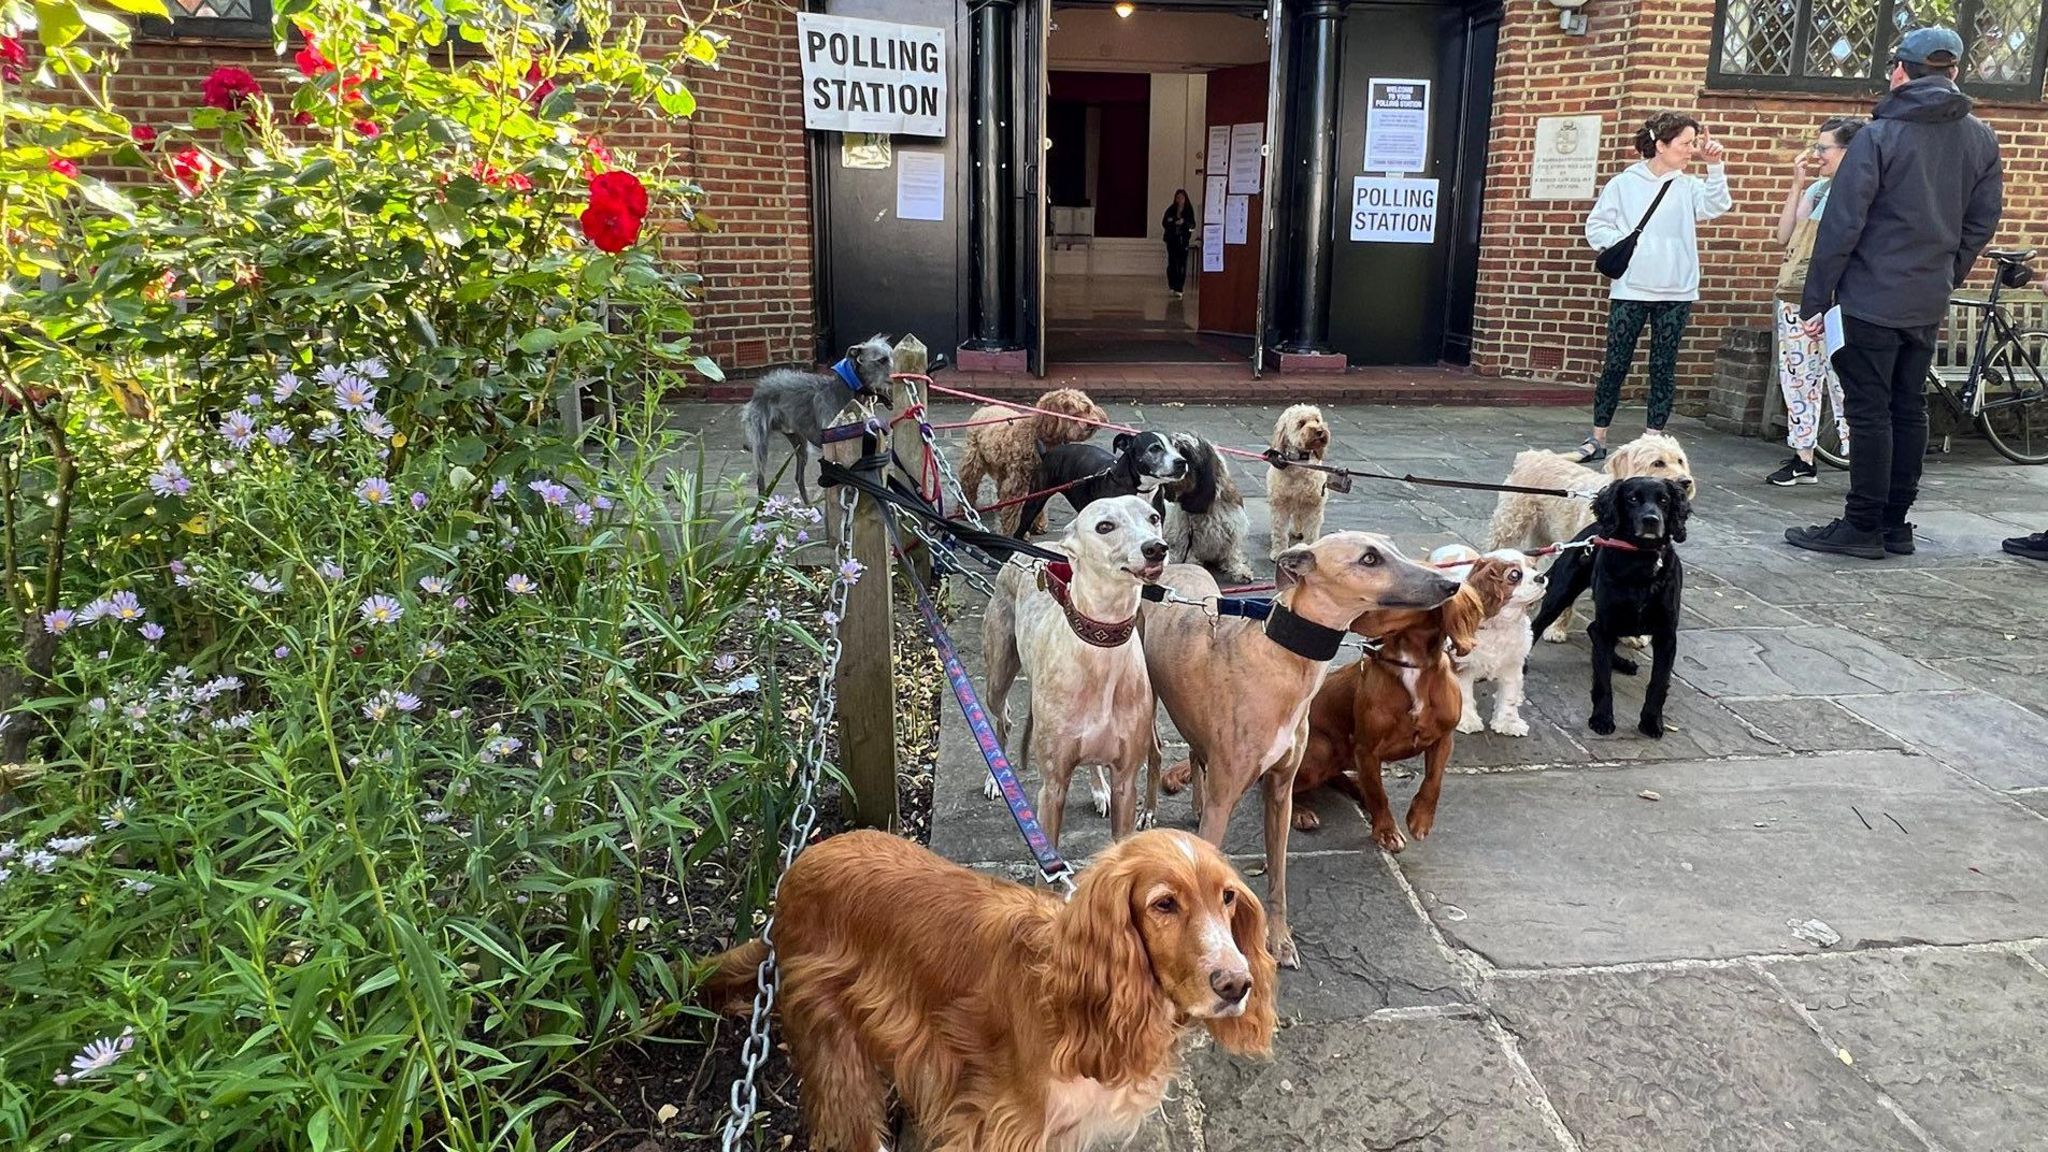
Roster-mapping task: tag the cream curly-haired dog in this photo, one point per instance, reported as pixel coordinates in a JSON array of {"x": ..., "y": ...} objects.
[
  {"x": 1525, "y": 522},
  {"x": 1296, "y": 495},
  {"x": 1008, "y": 452}
]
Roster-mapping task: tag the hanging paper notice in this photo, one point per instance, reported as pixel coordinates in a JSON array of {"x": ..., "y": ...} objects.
[
  {"x": 921, "y": 186},
  {"x": 1212, "y": 198},
  {"x": 1246, "y": 165},
  {"x": 1217, "y": 159},
  {"x": 1397, "y": 125},
  {"x": 1212, "y": 247},
  {"x": 1393, "y": 210},
  {"x": 1237, "y": 215}
]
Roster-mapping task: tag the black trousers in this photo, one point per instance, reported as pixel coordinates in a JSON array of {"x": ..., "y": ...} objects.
[
  {"x": 1884, "y": 397},
  {"x": 1176, "y": 266}
]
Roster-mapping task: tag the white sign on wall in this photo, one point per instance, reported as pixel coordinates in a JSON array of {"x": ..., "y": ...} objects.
[
  {"x": 872, "y": 75},
  {"x": 1397, "y": 125},
  {"x": 1247, "y": 161},
  {"x": 1393, "y": 210},
  {"x": 1566, "y": 165}
]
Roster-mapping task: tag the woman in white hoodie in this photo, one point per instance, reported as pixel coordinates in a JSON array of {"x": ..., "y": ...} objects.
[{"x": 1663, "y": 277}]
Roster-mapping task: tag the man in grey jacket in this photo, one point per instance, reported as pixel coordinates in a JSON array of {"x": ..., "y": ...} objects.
[{"x": 1915, "y": 200}]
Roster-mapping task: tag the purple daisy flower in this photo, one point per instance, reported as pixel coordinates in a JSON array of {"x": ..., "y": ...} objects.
[
  {"x": 124, "y": 606},
  {"x": 519, "y": 585},
  {"x": 376, "y": 425},
  {"x": 287, "y": 386},
  {"x": 375, "y": 491},
  {"x": 169, "y": 480},
  {"x": 327, "y": 433},
  {"x": 851, "y": 570},
  {"x": 59, "y": 622},
  {"x": 419, "y": 501},
  {"x": 278, "y": 435},
  {"x": 353, "y": 394},
  {"x": 152, "y": 631},
  {"x": 381, "y": 610},
  {"x": 238, "y": 429},
  {"x": 584, "y": 514}
]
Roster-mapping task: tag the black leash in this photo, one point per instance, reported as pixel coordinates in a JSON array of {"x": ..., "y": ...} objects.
[{"x": 1278, "y": 459}]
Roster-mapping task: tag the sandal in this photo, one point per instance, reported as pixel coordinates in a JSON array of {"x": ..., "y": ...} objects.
[{"x": 1590, "y": 452}]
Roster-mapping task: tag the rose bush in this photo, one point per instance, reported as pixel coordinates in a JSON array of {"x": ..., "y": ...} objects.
[{"x": 368, "y": 741}]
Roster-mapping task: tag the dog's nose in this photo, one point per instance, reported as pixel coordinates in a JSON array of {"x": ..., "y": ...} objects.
[
  {"x": 1154, "y": 550},
  {"x": 1230, "y": 987}
]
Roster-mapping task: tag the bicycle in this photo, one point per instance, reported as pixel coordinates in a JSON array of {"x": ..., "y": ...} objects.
[{"x": 2005, "y": 393}]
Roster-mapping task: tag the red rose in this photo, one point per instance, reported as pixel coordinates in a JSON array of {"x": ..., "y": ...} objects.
[
  {"x": 63, "y": 167},
  {"x": 542, "y": 86},
  {"x": 312, "y": 63},
  {"x": 228, "y": 87},
  {"x": 190, "y": 170},
  {"x": 622, "y": 189},
  {"x": 610, "y": 227},
  {"x": 302, "y": 118},
  {"x": 142, "y": 134},
  {"x": 599, "y": 157},
  {"x": 12, "y": 52},
  {"x": 367, "y": 128}
]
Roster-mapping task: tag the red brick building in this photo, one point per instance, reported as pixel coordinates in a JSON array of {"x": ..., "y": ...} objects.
[{"x": 1040, "y": 260}]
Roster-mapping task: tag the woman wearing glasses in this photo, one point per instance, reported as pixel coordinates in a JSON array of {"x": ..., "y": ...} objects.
[{"x": 1803, "y": 368}]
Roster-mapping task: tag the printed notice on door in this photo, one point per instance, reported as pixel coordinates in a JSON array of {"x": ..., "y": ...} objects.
[
  {"x": 1247, "y": 167},
  {"x": 921, "y": 186},
  {"x": 1397, "y": 125},
  {"x": 1212, "y": 198},
  {"x": 1212, "y": 247},
  {"x": 1237, "y": 218},
  {"x": 1393, "y": 210},
  {"x": 1566, "y": 165}
]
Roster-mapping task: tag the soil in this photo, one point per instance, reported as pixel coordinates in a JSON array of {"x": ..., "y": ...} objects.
[{"x": 625, "y": 1106}]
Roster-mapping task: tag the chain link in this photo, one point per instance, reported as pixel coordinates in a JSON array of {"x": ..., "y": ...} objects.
[{"x": 746, "y": 1101}]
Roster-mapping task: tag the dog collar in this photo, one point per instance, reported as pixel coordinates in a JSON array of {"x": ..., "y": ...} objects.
[
  {"x": 1305, "y": 638},
  {"x": 1053, "y": 578},
  {"x": 849, "y": 377},
  {"x": 1282, "y": 457}
]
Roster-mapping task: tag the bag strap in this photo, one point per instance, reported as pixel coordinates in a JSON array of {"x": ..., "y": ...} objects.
[{"x": 1652, "y": 210}]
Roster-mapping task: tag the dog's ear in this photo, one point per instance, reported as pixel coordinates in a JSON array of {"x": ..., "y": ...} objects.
[
  {"x": 1121, "y": 442},
  {"x": 1295, "y": 563},
  {"x": 1279, "y": 442},
  {"x": 1250, "y": 1033},
  {"x": 1462, "y": 615},
  {"x": 1607, "y": 508},
  {"x": 1106, "y": 1002},
  {"x": 1679, "y": 507}
]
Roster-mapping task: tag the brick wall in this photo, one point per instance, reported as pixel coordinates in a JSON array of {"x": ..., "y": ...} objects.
[
  {"x": 744, "y": 147},
  {"x": 1542, "y": 308}
]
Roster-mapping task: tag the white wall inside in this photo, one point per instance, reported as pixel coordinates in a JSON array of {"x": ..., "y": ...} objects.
[{"x": 1179, "y": 104}]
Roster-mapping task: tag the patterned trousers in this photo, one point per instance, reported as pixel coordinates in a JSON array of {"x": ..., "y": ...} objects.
[
  {"x": 1803, "y": 370},
  {"x": 1625, "y": 320}
]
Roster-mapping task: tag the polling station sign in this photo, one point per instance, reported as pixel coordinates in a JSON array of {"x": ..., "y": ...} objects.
[
  {"x": 1393, "y": 210},
  {"x": 872, "y": 75}
]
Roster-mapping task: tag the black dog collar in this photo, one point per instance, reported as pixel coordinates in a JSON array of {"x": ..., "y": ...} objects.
[{"x": 1305, "y": 638}]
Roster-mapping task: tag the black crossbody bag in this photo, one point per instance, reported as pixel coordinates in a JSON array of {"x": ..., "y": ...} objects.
[{"x": 1612, "y": 261}]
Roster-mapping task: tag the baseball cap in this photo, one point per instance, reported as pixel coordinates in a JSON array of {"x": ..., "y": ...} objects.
[{"x": 1939, "y": 47}]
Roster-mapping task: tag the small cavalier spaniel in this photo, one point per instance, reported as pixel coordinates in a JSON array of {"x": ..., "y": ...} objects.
[{"x": 1005, "y": 1019}]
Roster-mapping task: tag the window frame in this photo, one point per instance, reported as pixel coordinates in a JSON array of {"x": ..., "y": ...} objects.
[
  {"x": 253, "y": 28},
  {"x": 2027, "y": 91}
]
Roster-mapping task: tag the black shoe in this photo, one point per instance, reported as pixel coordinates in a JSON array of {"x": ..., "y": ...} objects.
[
  {"x": 2033, "y": 547},
  {"x": 1840, "y": 538},
  {"x": 1795, "y": 471},
  {"x": 1898, "y": 540},
  {"x": 1590, "y": 452}
]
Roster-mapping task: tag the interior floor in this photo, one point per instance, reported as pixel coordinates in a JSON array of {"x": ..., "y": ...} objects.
[{"x": 1107, "y": 318}]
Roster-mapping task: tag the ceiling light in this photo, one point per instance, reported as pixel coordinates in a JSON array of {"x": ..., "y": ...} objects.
[{"x": 1124, "y": 8}]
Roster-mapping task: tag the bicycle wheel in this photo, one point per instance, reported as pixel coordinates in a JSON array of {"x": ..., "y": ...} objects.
[
  {"x": 2012, "y": 410},
  {"x": 1828, "y": 444}
]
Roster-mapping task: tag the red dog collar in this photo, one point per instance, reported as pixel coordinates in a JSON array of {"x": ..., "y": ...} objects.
[{"x": 1053, "y": 577}]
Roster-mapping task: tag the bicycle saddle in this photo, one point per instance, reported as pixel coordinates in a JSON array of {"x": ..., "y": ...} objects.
[{"x": 2012, "y": 255}]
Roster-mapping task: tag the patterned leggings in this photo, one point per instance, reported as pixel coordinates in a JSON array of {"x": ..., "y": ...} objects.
[
  {"x": 1625, "y": 320},
  {"x": 1802, "y": 371}
]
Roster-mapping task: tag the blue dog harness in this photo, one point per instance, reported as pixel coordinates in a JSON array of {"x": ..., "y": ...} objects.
[{"x": 847, "y": 376}]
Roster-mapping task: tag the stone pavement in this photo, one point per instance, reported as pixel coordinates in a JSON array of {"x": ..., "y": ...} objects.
[{"x": 1565, "y": 964}]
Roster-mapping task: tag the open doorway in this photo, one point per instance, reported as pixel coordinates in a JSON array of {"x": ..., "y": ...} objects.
[{"x": 1127, "y": 118}]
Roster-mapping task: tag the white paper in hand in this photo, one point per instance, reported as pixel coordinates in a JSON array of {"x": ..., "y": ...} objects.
[{"x": 1831, "y": 336}]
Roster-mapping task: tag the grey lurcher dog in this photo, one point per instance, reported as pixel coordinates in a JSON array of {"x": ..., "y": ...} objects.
[
  {"x": 801, "y": 405},
  {"x": 1241, "y": 700}
]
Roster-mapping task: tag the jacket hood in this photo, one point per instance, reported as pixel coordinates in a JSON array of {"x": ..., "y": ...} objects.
[{"x": 1928, "y": 100}]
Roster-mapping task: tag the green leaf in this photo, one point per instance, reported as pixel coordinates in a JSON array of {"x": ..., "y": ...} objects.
[
  {"x": 675, "y": 99},
  {"x": 598, "y": 271},
  {"x": 708, "y": 368},
  {"x": 58, "y": 22},
  {"x": 539, "y": 340},
  {"x": 447, "y": 222},
  {"x": 103, "y": 195},
  {"x": 143, "y": 8},
  {"x": 318, "y": 1132}
]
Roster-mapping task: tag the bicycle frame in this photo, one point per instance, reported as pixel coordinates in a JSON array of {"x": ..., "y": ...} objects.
[{"x": 2000, "y": 325}]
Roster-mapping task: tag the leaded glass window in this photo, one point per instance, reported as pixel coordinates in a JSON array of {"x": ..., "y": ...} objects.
[{"x": 1845, "y": 45}]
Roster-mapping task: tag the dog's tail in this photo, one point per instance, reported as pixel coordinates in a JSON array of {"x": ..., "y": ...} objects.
[
  {"x": 729, "y": 981},
  {"x": 753, "y": 426}
]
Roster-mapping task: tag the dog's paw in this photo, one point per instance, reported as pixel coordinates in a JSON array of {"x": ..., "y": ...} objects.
[
  {"x": 1623, "y": 666},
  {"x": 1306, "y": 820},
  {"x": 1556, "y": 634},
  {"x": 1176, "y": 778},
  {"x": 1651, "y": 726},
  {"x": 1602, "y": 722},
  {"x": 989, "y": 790},
  {"x": 1639, "y": 643},
  {"x": 1098, "y": 794},
  {"x": 1511, "y": 725},
  {"x": 1147, "y": 818},
  {"x": 1388, "y": 836},
  {"x": 1420, "y": 823},
  {"x": 1280, "y": 942},
  {"x": 1469, "y": 723}
]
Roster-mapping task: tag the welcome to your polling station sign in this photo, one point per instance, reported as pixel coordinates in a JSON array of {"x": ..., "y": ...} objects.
[{"x": 872, "y": 75}]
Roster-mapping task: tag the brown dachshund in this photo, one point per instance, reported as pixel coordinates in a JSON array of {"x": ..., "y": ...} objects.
[{"x": 1400, "y": 701}]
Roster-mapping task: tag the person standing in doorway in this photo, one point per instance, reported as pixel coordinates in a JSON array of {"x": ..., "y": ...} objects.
[
  {"x": 1803, "y": 369},
  {"x": 1916, "y": 198},
  {"x": 1663, "y": 277},
  {"x": 1179, "y": 226}
]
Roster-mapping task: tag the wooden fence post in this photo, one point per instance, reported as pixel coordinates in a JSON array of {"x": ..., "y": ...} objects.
[
  {"x": 867, "y": 680},
  {"x": 908, "y": 442}
]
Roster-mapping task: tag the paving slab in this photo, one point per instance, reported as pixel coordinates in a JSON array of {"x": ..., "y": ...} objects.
[
  {"x": 1777, "y": 574},
  {"x": 1427, "y": 1085},
  {"x": 2038, "y": 801},
  {"x": 2022, "y": 680},
  {"x": 1974, "y": 629},
  {"x": 1813, "y": 725},
  {"x": 1711, "y": 602},
  {"x": 1363, "y": 948},
  {"x": 1574, "y": 868},
  {"x": 1559, "y": 686},
  {"x": 1994, "y": 740},
  {"x": 1695, "y": 1061},
  {"x": 1797, "y": 662},
  {"x": 1955, "y": 1038}
]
